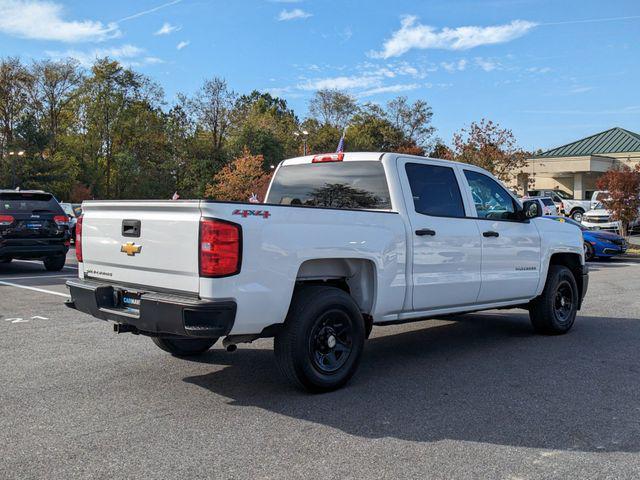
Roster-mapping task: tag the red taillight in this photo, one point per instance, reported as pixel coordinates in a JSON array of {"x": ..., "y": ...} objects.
[
  {"x": 79, "y": 239},
  {"x": 328, "y": 157},
  {"x": 61, "y": 220},
  {"x": 6, "y": 220},
  {"x": 220, "y": 248}
]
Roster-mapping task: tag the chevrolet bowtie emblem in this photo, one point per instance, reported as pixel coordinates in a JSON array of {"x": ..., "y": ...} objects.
[{"x": 130, "y": 248}]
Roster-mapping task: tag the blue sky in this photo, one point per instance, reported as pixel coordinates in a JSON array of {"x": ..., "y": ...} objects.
[{"x": 552, "y": 71}]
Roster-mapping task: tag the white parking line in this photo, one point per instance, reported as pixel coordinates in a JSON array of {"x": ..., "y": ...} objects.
[
  {"x": 41, "y": 290},
  {"x": 36, "y": 261},
  {"x": 68, "y": 275}
]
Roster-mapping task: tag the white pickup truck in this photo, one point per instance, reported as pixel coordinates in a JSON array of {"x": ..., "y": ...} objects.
[{"x": 342, "y": 243}]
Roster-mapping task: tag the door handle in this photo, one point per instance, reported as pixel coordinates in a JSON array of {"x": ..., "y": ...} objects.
[
  {"x": 425, "y": 231},
  {"x": 490, "y": 234}
]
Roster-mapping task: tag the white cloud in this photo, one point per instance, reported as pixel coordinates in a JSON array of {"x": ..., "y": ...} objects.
[
  {"x": 402, "y": 87},
  {"x": 454, "y": 66},
  {"x": 151, "y": 10},
  {"x": 183, "y": 44},
  {"x": 415, "y": 35},
  {"x": 580, "y": 89},
  {"x": 487, "y": 64},
  {"x": 294, "y": 14},
  {"x": 167, "y": 28},
  {"x": 43, "y": 20},
  {"x": 538, "y": 70},
  {"x": 340, "y": 83},
  {"x": 127, "y": 54}
]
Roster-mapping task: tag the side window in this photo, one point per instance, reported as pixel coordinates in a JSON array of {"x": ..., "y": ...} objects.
[
  {"x": 491, "y": 200},
  {"x": 435, "y": 190}
]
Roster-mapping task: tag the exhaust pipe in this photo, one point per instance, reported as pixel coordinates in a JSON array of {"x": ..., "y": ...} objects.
[{"x": 230, "y": 342}]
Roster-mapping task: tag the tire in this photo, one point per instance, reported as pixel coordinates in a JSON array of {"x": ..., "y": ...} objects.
[
  {"x": 577, "y": 215},
  {"x": 55, "y": 264},
  {"x": 320, "y": 345},
  {"x": 5, "y": 260},
  {"x": 184, "y": 347},
  {"x": 589, "y": 252},
  {"x": 554, "y": 312}
]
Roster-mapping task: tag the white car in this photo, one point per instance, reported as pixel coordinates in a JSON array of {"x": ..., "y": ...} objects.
[
  {"x": 547, "y": 205},
  {"x": 565, "y": 203},
  {"x": 345, "y": 241},
  {"x": 601, "y": 219}
]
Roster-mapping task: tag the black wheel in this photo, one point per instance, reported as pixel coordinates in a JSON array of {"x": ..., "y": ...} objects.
[
  {"x": 5, "y": 260},
  {"x": 320, "y": 345},
  {"x": 55, "y": 264},
  {"x": 184, "y": 347},
  {"x": 554, "y": 312},
  {"x": 577, "y": 215},
  {"x": 589, "y": 253}
]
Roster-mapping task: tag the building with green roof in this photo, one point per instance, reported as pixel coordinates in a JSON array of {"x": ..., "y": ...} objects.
[{"x": 575, "y": 167}]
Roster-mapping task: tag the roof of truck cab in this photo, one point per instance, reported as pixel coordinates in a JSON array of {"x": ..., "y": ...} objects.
[{"x": 360, "y": 157}]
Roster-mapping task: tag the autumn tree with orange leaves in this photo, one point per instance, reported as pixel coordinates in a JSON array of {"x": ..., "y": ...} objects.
[
  {"x": 623, "y": 200},
  {"x": 240, "y": 179},
  {"x": 489, "y": 146}
]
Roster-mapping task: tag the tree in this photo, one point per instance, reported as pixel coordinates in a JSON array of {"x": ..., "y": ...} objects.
[
  {"x": 332, "y": 107},
  {"x": 413, "y": 120},
  {"x": 212, "y": 107},
  {"x": 623, "y": 200},
  {"x": 119, "y": 114},
  {"x": 14, "y": 80},
  {"x": 440, "y": 150},
  {"x": 53, "y": 88},
  {"x": 240, "y": 179},
  {"x": 487, "y": 145},
  {"x": 265, "y": 125}
]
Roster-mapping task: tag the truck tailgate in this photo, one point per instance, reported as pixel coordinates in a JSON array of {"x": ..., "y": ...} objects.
[{"x": 142, "y": 243}]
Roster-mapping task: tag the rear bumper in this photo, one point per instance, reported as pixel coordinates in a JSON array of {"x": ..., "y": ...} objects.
[
  {"x": 32, "y": 249},
  {"x": 159, "y": 314}
]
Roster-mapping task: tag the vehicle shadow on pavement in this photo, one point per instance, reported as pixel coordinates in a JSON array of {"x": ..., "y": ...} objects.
[{"x": 483, "y": 378}]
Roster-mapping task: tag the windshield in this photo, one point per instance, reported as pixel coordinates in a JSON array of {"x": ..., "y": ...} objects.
[
  {"x": 18, "y": 202},
  {"x": 564, "y": 195},
  {"x": 356, "y": 185}
]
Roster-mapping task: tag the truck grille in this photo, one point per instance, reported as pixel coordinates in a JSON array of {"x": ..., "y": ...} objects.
[{"x": 598, "y": 219}]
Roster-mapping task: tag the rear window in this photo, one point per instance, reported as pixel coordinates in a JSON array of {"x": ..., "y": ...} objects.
[
  {"x": 28, "y": 202},
  {"x": 358, "y": 185}
]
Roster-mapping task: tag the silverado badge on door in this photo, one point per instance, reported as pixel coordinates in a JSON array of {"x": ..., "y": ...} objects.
[{"x": 130, "y": 248}]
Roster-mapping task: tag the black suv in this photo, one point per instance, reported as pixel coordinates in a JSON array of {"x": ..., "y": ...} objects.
[{"x": 33, "y": 226}]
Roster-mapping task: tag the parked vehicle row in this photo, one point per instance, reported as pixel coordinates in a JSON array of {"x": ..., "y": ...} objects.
[
  {"x": 567, "y": 205},
  {"x": 344, "y": 242}
]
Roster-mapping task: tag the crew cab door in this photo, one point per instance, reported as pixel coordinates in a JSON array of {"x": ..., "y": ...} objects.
[
  {"x": 446, "y": 245},
  {"x": 510, "y": 247}
]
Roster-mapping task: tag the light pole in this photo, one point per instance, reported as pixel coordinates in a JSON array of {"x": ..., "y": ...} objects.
[
  {"x": 304, "y": 134},
  {"x": 12, "y": 155}
]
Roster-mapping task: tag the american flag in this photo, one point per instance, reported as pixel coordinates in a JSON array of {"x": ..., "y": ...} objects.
[{"x": 341, "y": 142}]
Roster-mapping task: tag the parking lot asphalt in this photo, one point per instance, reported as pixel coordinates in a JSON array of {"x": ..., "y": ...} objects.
[{"x": 478, "y": 397}]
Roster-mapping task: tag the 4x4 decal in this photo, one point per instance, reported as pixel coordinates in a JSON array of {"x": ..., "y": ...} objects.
[{"x": 252, "y": 213}]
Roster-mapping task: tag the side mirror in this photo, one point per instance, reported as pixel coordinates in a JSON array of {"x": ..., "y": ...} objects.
[{"x": 531, "y": 209}]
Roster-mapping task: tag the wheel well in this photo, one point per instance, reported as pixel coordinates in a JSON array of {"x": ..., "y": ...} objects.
[
  {"x": 577, "y": 209},
  {"x": 573, "y": 262},
  {"x": 355, "y": 276}
]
